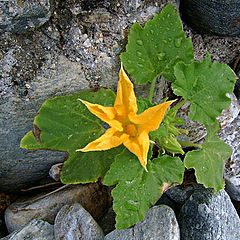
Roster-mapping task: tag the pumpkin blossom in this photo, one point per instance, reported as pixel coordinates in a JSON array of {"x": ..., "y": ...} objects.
[{"x": 126, "y": 127}]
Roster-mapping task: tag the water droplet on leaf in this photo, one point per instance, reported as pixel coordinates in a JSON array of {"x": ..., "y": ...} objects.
[
  {"x": 139, "y": 42},
  {"x": 139, "y": 54},
  {"x": 178, "y": 42},
  {"x": 161, "y": 56}
]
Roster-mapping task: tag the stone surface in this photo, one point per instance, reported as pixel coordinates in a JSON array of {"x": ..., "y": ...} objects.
[
  {"x": 214, "y": 17},
  {"x": 159, "y": 224},
  {"x": 23, "y": 16},
  {"x": 20, "y": 168},
  {"x": 207, "y": 216},
  {"x": 55, "y": 171},
  {"x": 93, "y": 197},
  {"x": 74, "y": 222},
  {"x": 179, "y": 195},
  {"x": 34, "y": 230},
  {"x": 230, "y": 135}
]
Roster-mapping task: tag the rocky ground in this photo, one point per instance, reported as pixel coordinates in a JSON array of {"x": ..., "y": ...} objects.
[{"x": 50, "y": 48}]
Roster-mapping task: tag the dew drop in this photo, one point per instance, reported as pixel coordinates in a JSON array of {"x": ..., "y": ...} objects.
[
  {"x": 139, "y": 42},
  {"x": 132, "y": 205},
  {"x": 161, "y": 56},
  {"x": 178, "y": 42},
  {"x": 139, "y": 54}
]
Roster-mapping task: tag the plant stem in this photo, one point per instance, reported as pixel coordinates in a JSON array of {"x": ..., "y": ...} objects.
[
  {"x": 189, "y": 144},
  {"x": 152, "y": 88}
]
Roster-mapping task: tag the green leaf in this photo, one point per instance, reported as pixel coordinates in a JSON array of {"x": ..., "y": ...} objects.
[
  {"x": 208, "y": 162},
  {"x": 143, "y": 104},
  {"x": 65, "y": 124},
  {"x": 137, "y": 190},
  {"x": 160, "y": 132},
  {"x": 205, "y": 85},
  {"x": 84, "y": 167},
  {"x": 154, "y": 49}
]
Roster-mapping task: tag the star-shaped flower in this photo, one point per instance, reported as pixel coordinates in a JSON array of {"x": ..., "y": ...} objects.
[{"x": 126, "y": 127}]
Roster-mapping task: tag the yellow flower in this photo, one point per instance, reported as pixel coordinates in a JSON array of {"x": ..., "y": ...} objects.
[{"x": 126, "y": 127}]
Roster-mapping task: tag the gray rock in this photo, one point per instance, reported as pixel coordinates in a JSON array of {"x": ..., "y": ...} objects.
[
  {"x": 21, "y": 168},
  {"x": 123, "y": 234},
  {"x": 34, "y": 230},
  {"x": 160, "y": 223},
  {"x": 214, "y": 17},
  {"x": 230, "y": 135},
  {"x": 93, "y": 197},
  {"x": 23, "y": 16},
  {"x": 74, "y": 222},
  {"x": 179, "y": 195},
  {"x": 208, "y": 216},
  {"x": 55, "y": 171}
]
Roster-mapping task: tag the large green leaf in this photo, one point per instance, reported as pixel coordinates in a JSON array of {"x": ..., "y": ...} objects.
[
  {"x": 84, "y": 167},
  {"x": 208, "y": 162},
  {"x": 154, "y": 49},
  {"x": 138, "y": 190},
  {"x": 65, "y": 124},
  {"x": 205, "y": 85}
]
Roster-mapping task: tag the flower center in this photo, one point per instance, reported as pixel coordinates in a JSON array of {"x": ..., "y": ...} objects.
[{"x": 131, "y": 130}]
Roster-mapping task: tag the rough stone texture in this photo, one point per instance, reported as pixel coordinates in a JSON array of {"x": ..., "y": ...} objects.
[
  {"x": 210, "y": 16},
  {"x": 159, "y": 224},
  {"x": 20, "y": 168},
  {"x": 221, "y": 49},
  {"x": 123, "y": 234},
  {"x": 93, "y": 197},
  {"x": 74, "y": 222},
  {"x": 230, "y": 135},
  {"x": 55, "y": 171},
  {"x": 23, "y": 16},
  {"x": 179, "y": 195},
  {"x": 206, "y": 216},
  {"x": 35, "y": 230}
]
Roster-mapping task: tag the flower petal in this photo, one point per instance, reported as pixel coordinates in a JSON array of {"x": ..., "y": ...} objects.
[
  {"x": 106, "y": 114},
  {"x": 109, "y": 139},
  {"x": 125, "y": 102},
  {"x": 150, "y": 119},
  {"x": 139, "y": 146}
]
